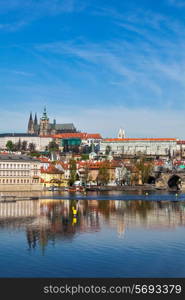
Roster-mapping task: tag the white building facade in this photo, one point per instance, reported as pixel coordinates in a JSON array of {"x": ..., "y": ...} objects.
[
  {"x": 40, "y": 142},
  {"x": 134, "y": 146},
  {"x": 19, "y": 172}
]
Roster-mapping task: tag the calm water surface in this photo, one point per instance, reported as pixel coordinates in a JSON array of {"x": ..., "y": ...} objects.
[{"x": 76, "y": 237}]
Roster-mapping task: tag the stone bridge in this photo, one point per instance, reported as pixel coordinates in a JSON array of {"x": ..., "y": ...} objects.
[{"x": 172, "y": 181}]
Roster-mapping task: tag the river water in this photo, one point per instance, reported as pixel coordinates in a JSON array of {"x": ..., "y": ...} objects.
[{"x": 104, "y": 235}]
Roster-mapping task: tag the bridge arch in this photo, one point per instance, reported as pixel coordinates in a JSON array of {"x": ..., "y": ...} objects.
[
  {"x": 151, "y": 180},
  {"x": 174, "y": 182}
]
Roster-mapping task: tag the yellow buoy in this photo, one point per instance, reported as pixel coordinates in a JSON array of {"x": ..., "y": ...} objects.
[{"x": 74, "y": 221}]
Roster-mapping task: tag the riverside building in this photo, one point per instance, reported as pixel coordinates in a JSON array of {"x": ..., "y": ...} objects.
[
  {"x": 19, "y": 172},
  {"x": 136, "y": 146}
]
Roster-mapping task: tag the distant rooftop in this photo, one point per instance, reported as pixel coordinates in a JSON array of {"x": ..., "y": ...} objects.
[
  {"x": 81, "y": 135},
  {"x": 141, "y": 139},
  {"x": 17, "y": 135},
  {"x": 13, "y": 157}
]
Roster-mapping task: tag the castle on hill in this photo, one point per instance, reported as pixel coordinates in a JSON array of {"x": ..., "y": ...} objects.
[{"x": 45, "y": 128}]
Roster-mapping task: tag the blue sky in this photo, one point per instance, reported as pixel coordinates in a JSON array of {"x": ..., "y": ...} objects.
[{"x": 102, "y": 64}]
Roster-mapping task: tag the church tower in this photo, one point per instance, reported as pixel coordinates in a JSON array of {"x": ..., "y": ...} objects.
[
  {"x": 35, "y": 125},
  {"x": 121, "y": 133},
  {"x": 30, "y": 125},
  {"x": 35, "y": 120},
  {"x": 44, "y": 124}
]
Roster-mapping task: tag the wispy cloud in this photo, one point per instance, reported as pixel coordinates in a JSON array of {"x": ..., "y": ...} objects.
[
  {"x": 177, "y": 3},
  {"x": 31, "y": 10},
  {"x": 22, "y": 73},
  {"x": 139, "y": 65},
  {"x": 129, "y": 74}
]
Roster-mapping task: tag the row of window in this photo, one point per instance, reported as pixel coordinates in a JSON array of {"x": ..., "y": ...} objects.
[
  {"x": 18, "y": 181},
  {"x": 15, "y": 173},
  {"x": 16, "y": 166}
]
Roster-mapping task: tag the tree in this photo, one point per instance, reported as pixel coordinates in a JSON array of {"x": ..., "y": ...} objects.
[
  {"x": 86, "y": 174},
  {"x": 72, "y": 169},
  {"x": 85, "y": 149},
  {"x": 108, "y": 150},
  {"x": 18, "y": 145},
  {"x": 24, "y": 146},
  {"x": 53, "y": 146},
  {"x": 31, "y": 147},
  {"x": 143, "y": 169},
  {"x": 84, "y": 156},
  {"x": 103, "y": 174},
  {"x": 35, "y": 154},
  {"x": 10, "y": 146},
  {"x": 77, "y": 178}
]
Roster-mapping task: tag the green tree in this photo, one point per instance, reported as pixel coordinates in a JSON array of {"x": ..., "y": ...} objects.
[
  {"x": 10, "y": 146},
  {"x": 103, "y": 174},
  {"x": 31, "y": 147},
  {"x": 84, "y": 156},
  {"x": 144, "y": 169},
  {"x": 77, "y": 177},
  {"x": 53, "y": 146},
  {"x": 17, "y": 146},
  {"x": 24, "y": 146},
  {"x": 86, "y": 174},
  {"x": 72, "y": 169},
  {"x": 108, "y": 150},
  {"x": 35, "y": 154}
]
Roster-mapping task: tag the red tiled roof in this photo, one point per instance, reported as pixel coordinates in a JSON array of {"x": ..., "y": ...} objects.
[
  {"x": 44, "y": 159},
  {"x": 179, "y": 162},
  {"x": 158, "y": 163},
  {"x": 98, "y": 164},
  {"x": 51, "y": 170},
  {"x": 81, "y": 135},
  {"x": 139, "y": 139},
  {"x": 65, "y": 166},
  {"x": 94, "y": 136}
]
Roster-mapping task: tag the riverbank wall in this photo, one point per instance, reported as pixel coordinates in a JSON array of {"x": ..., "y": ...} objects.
[{"x": 20, "y": 187}]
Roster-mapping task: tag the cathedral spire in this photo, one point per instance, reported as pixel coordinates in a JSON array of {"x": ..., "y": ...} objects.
[
  {"x": 30, "y": 121},
  {"x": 35, "y": 120},
  {"x": 30, "y": 124},
  {"x": 44, "y": 116},
  {"x": 31, "y": 118}
]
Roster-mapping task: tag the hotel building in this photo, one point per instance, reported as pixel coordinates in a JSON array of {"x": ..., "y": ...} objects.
[{"x": 19, "y": 172}]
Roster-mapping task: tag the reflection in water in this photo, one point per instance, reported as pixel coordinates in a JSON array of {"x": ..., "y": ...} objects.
[{"x": 51, "y": 220}]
